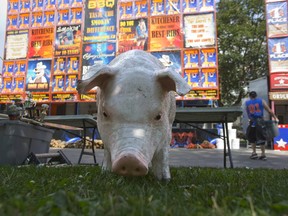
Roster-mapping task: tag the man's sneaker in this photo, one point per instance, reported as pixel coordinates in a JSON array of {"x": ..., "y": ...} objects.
[
  {"x": 254, "y": 156},
  {"x": 263, "y": 157}
]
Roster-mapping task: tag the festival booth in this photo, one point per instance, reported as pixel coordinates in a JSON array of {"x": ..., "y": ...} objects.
[{"x": 50, "y": 45}]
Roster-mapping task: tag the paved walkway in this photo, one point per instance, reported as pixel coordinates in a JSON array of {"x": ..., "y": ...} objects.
[{"x": 202, "y": 158}]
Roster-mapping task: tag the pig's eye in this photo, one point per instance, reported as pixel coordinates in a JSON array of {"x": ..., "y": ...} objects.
[
  {"x": 158, "y": 117},
  {"x": 105, "y": 114}
]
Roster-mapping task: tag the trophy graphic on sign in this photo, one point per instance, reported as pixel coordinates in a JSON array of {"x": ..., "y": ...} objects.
[
  {"x": 74, "y": 64},
  {"x": 18, "y": 85},
  {"x": 51, "y": 4},
  {"x": 187, "y": 8},
  {"x": 60, "y": 67},
  {"x": 193, "y": 78},
  {"x": 209, "y": 78},
  {"x": 158, "y": 8},
  {"x": 72, "y": 83},
  {"x": 124, "y": 11},
  {"x": 139, "y": 14},
  {"x": 36, "y": 48},
  {"x": 39, "y": 5},
  {"x": 21, "y": 68},
  {"x": 59, "y": 81},
  {"x": 77, "y": 3},
  {"x": 188, "y": 64},
  {"x": 172, "y": 8}
]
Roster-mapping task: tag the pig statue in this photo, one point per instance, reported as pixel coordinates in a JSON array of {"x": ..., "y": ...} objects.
[{"x": 136, "y": 108}]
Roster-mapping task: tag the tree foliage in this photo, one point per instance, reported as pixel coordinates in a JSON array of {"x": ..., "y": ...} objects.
[{"x": 241, "y": 45}]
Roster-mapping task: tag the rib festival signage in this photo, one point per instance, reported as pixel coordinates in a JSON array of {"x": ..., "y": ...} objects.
[{"x": 100, "y": 20}]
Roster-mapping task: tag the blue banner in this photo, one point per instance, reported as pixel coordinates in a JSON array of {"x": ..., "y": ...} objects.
[{"x": 100, "y": 21}]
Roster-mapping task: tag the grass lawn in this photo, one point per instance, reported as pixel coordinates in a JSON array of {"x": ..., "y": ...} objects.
[{"x": 85, "y": 190}]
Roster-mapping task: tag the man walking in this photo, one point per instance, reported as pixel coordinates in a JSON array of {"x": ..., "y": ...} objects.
[{"x": 255, "y": 131}]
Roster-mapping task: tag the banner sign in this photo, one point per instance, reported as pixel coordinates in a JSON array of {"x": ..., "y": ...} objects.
[
  {"x": 50, "y": 5},
  {"x": 64, "y": 97},
  {"x": 133, "y": 34},
  {"x": 16, "y": 44},
  {"x": 157, "y": 7},
  {"x": 8, "y": 69},
  {"x": 6, "y": 86},
  {"x": 191, "y": 58},
  {"x": 38, "y": 75},
  {"x": 198, "y": 6},
  {"x": 199, "y": 30},
  {"x": 278, "y": 54},
  {"x": 141, "y": 8},
  {"x": 98, "y": 53},
  {"x": 165, "y": 33},
  {"x": 13, "y": 6},
  {"x": 41, "y": 43},
  {"x": 126, "y": 10},
  {"x": 278, "y": 96},
  {"x": 40, "y": 97},
  {"x": 49, "y": 18},
  {"x": 267, "y": 1},
  {"x": 58, "y": 83},
  {"x": 205, "y": 78},
  {"x": 18, "y": 84},
  {"x": 208, "y": 57},
  {"x": 88, "y": 97},
  {"x": 20, "y": 68},
  {"x": 170, "y": 59},
  {"x": 24, "y": 21},
  {"x": 202, "y": 94},
  {"x": 279, "y": 81},
  {"x": 4, "y": 98},
  {"x": 68, "y": 40},
  {"x": 281, "y": 141},
  {"x": 25, "y": 6},
  {"x": 100, "y": 20},
  {"x": 277, "y": 24}
]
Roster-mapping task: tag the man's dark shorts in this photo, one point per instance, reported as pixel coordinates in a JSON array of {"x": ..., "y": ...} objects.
[{"x": 256, "y": 134}]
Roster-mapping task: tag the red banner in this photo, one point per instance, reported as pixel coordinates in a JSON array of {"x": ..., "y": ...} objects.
[
  {"x": 165, "y": 33},
  {"x": 41, "y": 43}
]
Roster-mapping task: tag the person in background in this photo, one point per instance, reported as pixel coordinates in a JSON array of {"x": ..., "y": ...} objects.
[{"x": 255, "y": 132}]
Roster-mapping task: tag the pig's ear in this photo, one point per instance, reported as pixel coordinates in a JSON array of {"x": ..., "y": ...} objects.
[
  {"x": 97, "y": 75},
  {"x": 172, "y": 81}
]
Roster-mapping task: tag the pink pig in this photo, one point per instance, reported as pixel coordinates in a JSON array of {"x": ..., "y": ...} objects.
[{"x": 136, "y": 109}]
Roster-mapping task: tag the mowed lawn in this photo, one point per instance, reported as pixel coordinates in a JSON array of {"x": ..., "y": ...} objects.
[{"x": 85, "y": 190}]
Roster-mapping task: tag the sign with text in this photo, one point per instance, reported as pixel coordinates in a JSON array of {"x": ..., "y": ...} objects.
[
  {"x": 278, "y": 54},
  {"x": 202, "y": 94},
  {"x": 165, "y": 33},
  {"x": 133, "y": 34},
  {"x": 98, "y": 53},
  {"x": 279, "y": 81},
  {"x": 41, "y": 43},
  {"x": 278, "y": 96},
  {"x": 199, "y": 30},
  {"x": 100, "y": 20},
  {"x": 68, "y": 40},
  {"x": 38, "y": 75},
  {"x": 277, "y": 24},
  {"x": 16, "y": 44}
]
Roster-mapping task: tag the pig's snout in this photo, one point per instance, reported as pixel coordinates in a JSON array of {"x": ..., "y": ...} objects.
[{"x": 129, "y": 165}]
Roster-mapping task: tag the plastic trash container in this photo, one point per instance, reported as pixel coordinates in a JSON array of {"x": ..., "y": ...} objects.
[{"x": 18, "y": 139}]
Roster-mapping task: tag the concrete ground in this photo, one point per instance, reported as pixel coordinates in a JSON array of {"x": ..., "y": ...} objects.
[{"x": 181, "y": 157}]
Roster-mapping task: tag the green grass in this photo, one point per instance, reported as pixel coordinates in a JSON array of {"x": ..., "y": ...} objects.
[{"x": 85, "y": 190}]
